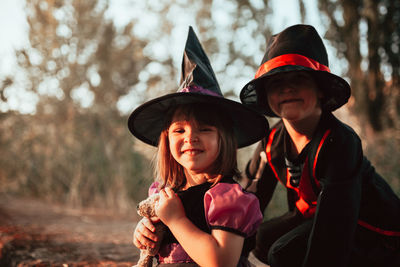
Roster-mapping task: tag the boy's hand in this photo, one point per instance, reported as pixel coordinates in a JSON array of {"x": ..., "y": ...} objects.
[{"x": 169, "y": 207}]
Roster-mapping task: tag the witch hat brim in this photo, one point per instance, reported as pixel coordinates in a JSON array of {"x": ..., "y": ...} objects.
[
  {"x": 198, "y": 85},
  {"x": 335, "y": 89}
]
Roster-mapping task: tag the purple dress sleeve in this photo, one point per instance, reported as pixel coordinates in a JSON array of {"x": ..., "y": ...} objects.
[{"x": 228, "y": 207}]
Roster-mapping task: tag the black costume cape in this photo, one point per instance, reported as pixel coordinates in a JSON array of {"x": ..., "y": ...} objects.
[{"x": 339, "y": 189}]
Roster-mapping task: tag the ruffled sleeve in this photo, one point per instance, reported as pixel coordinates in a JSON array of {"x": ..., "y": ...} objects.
[
  {"x": 154, "y": 188},
  {"x": 228, "y": 207}
]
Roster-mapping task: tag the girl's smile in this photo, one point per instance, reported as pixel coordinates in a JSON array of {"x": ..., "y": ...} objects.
[
  {"x": 192, "y": 152},
  {"x": 193, "y": 145}
]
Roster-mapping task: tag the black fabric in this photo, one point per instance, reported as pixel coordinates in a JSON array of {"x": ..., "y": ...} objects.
[
  {"x": 373, "y": 250},
  {"x": 302, "y": 40},
  {"x": 288, "y": 237},
  {"x": 290, "y": 248},
  {"x": 294, "y": 165},
  {"x": 196, "y": 67},
  {"x": 350, "y": 190},
  {"x": 193, "y": 203},
  {"x": 297, "y": 39},
  {"x": 272, "y": 230},
  {"x": 148, "y": 120}
]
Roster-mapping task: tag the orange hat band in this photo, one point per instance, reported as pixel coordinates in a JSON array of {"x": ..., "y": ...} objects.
[{"x": 290, "y": 59}]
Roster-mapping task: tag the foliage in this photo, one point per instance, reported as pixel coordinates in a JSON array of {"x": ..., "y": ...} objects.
[
  {"x": 76, "y": 147},
  {"x": 367, "y": 35},
  {"x": 72, "y": 151}
]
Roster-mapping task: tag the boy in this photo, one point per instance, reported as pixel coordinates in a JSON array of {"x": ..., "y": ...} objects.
[{"x": 341, "y": 212}]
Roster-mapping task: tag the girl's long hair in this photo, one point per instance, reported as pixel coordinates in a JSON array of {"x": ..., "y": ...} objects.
[{"x": 170, "y": 172}]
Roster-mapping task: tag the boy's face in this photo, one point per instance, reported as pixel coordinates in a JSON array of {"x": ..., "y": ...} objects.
[{"x": 293, "y": 96}]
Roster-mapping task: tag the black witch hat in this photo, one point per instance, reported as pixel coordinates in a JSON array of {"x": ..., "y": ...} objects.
[
  {"x": 198, "y": 85},
  {"x": 297, "y": 48}
]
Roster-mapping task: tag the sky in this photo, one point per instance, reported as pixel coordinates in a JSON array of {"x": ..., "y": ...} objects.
[{"x": 14, "y": 28}]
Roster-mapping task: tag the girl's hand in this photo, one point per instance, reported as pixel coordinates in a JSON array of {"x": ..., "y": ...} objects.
[
  {"x": 169, "y": 206},
  {"x": 144, "y": 236}
]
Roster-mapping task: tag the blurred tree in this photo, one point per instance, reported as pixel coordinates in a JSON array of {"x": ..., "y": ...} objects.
[
  {"x": 367, "y": 34},
  {"x": 76, "y": 147}
]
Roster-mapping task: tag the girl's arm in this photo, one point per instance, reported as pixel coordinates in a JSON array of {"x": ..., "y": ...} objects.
[{"x": 221, "y": 248}]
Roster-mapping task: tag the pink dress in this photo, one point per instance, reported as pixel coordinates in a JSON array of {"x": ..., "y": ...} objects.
[{"x": 225, "y": 206}]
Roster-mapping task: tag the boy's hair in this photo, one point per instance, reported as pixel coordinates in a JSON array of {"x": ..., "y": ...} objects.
[{"x": 171, "y": 172}]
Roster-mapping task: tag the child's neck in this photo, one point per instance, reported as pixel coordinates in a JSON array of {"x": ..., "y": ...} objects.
[
  {"x": 193, "y": 179},
  {"x": 301, "y": 132}
]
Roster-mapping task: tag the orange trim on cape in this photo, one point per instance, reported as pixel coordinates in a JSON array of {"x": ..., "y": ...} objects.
[
  {"x": 316, "y": 155},
  {"x": 268, "y": 152},
  {"x": 306, "y": 208},
  {"x": 378, "y": 230}
]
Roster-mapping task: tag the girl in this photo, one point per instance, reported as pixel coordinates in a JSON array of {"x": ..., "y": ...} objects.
[{"x": 211, "y": 219}]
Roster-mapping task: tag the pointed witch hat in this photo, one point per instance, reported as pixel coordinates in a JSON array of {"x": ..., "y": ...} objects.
[{"x": 198, "y": 85}]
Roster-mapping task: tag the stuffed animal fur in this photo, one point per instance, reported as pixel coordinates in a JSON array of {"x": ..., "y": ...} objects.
[{"x": 146, "y": 208}]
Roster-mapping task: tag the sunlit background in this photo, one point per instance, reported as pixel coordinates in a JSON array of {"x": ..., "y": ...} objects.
[
  {"x": 15, "y": 28},
  {"x": 72, "y": 71}
]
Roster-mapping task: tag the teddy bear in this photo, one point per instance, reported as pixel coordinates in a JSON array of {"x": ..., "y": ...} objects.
[{"x": 146, "y": 208}]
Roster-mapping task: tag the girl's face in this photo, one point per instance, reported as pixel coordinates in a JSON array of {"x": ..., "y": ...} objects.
[
  {"x": 194, "y": 146},
  {"x": 293, "y": 96}
]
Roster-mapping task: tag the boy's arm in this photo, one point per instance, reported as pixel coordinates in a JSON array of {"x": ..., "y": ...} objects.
[
  {"x": 257, "y": 168},
  {"x": 340, "y": 172}
]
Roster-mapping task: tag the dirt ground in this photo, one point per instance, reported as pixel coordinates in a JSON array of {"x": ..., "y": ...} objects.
[{"x": 34, "y": 233}]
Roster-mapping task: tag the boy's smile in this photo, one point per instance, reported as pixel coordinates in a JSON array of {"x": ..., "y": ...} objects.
[
  {"x": 293, "y": 96},
  {"x": 290, "y": 101}
]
